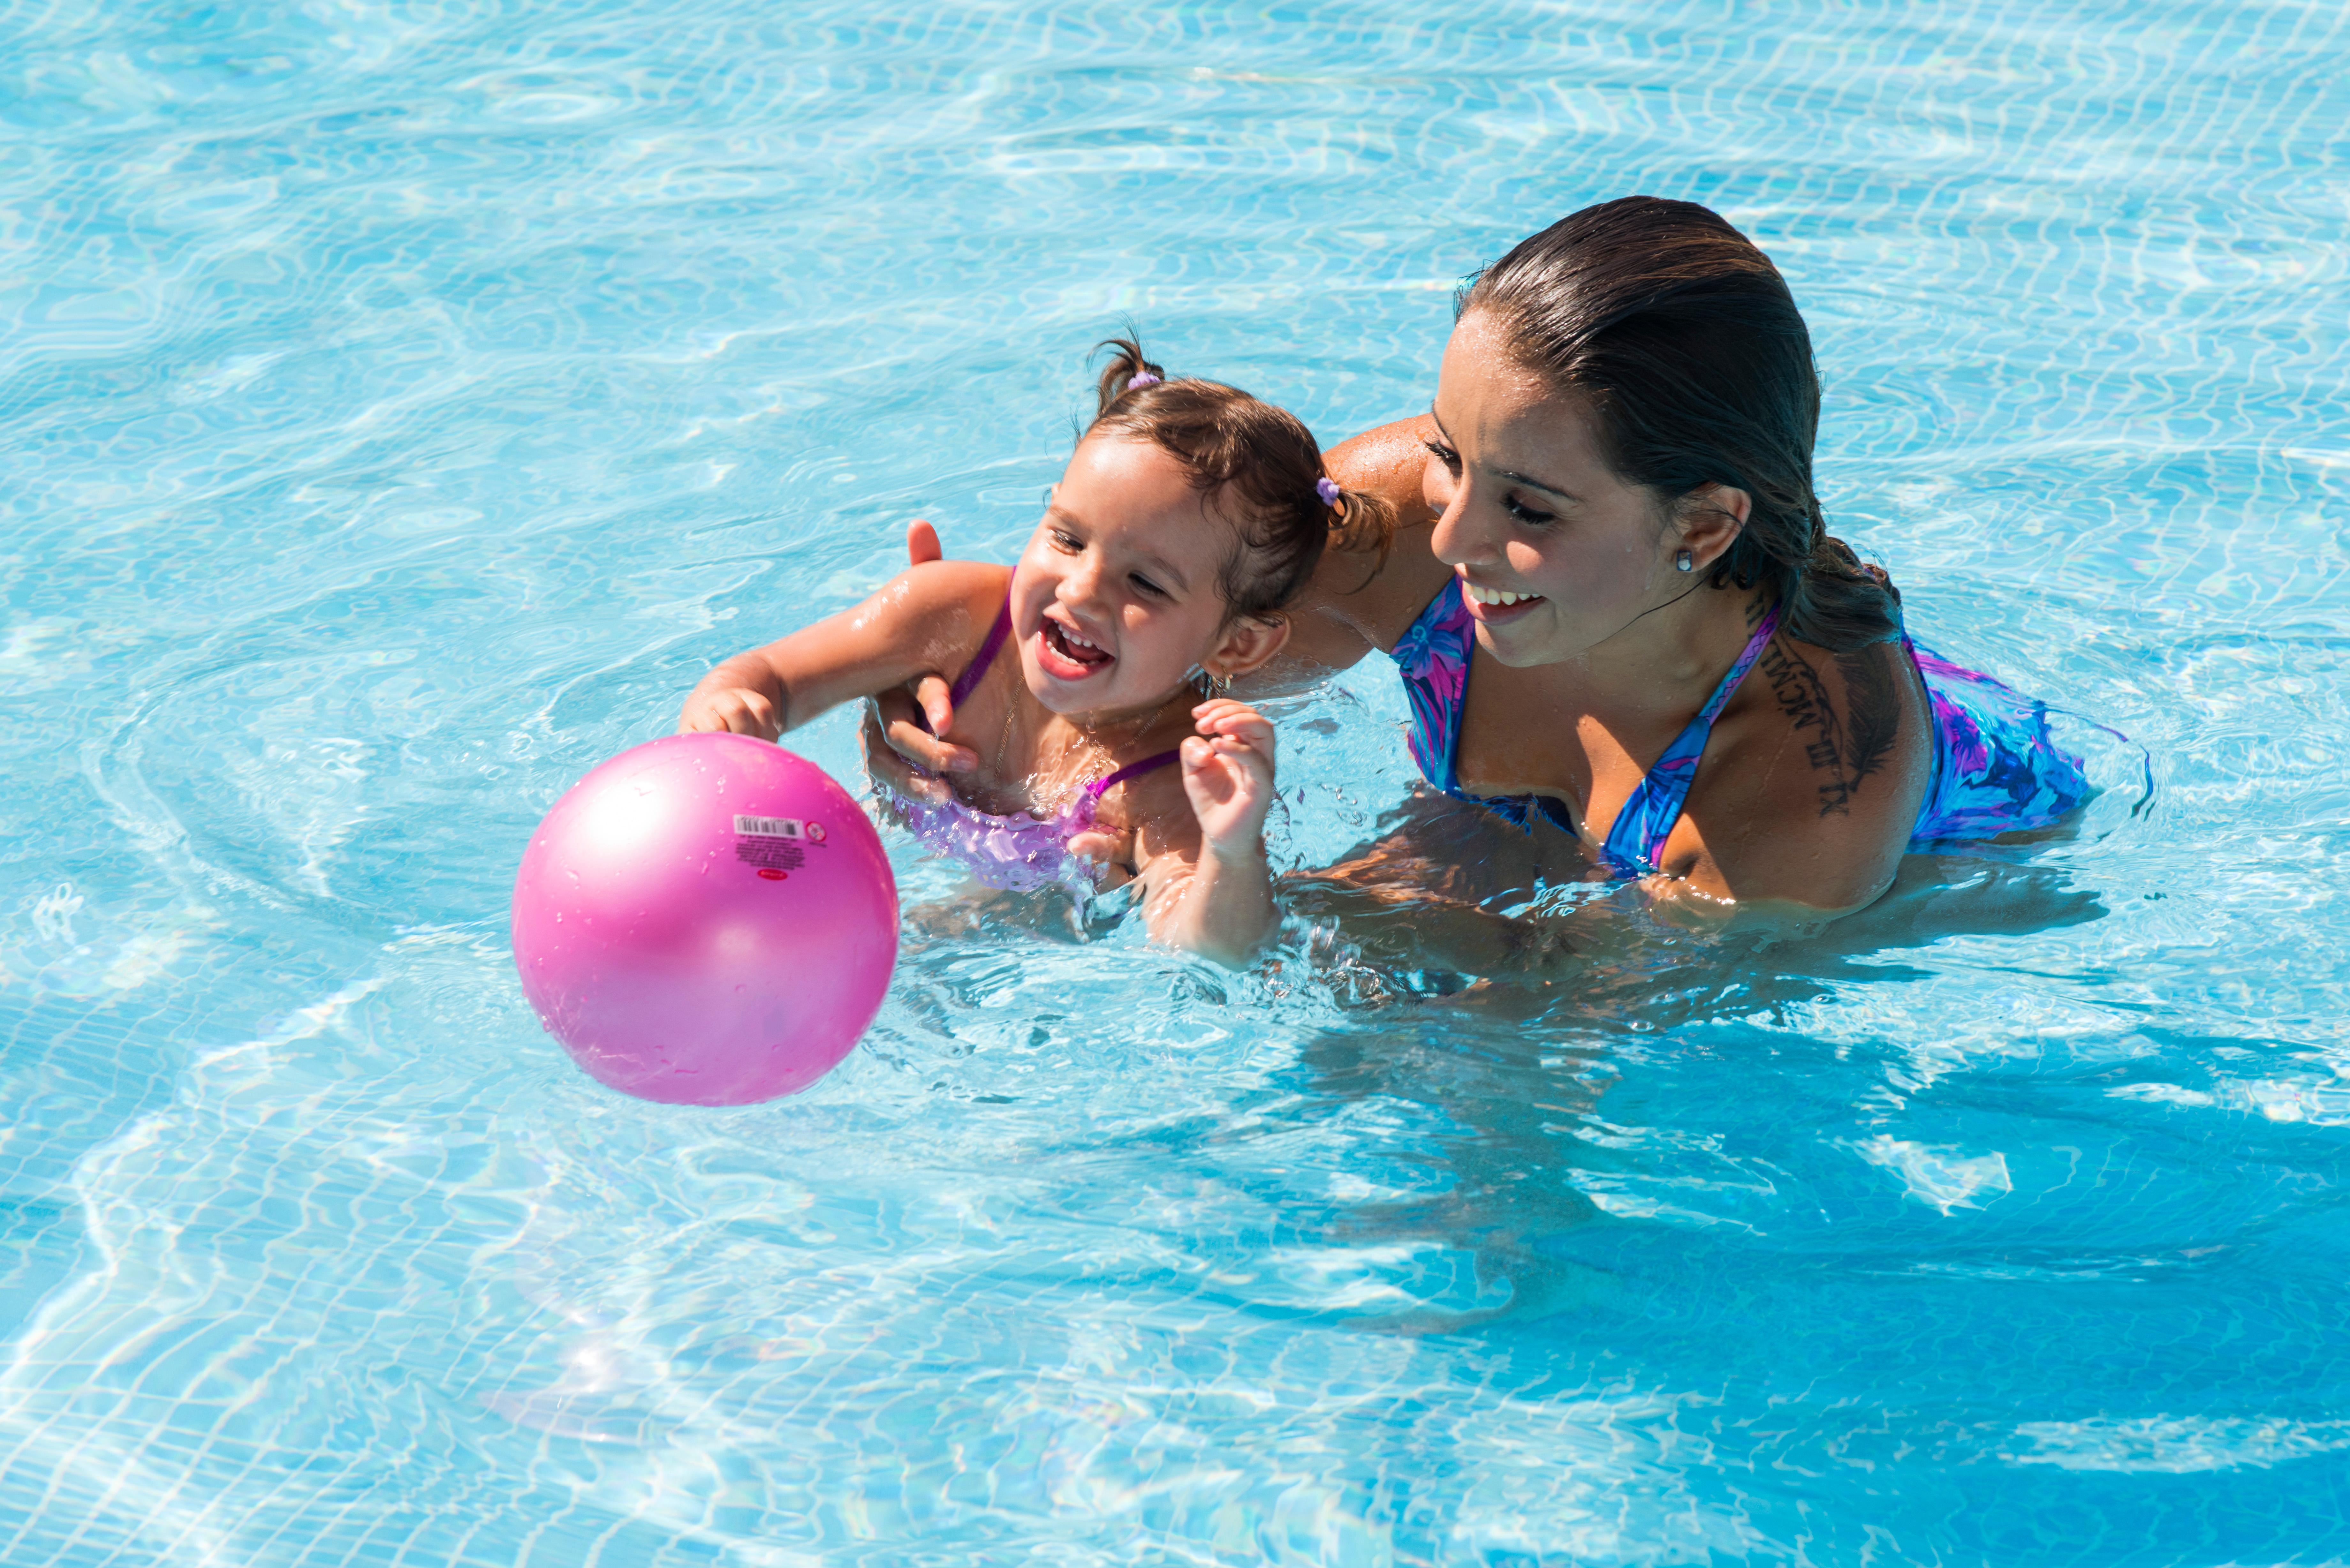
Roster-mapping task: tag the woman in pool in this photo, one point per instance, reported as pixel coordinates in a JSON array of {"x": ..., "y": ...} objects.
[
  {"x": 1189, "y": 515},
  {"x": 1615, "y": 603}
]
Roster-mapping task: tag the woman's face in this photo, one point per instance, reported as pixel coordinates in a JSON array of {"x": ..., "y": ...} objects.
[
  {"x": 1555, "y": 553},
  {"x": 1120, "y": 594}
]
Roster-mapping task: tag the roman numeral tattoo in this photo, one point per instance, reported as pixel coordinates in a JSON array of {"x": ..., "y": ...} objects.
[{"x": 1844, "y": 747}]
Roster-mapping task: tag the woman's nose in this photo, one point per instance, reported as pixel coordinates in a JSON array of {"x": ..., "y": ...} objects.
[{"x": 1460, "y": 538}]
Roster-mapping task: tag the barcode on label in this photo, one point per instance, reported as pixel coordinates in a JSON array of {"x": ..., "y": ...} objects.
[{"x": 771, "y": 827}]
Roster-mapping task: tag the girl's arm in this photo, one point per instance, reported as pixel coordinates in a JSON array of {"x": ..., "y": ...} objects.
[
  {"x": 929, "y": 618},
  {"x": 1206, "y": 887}
]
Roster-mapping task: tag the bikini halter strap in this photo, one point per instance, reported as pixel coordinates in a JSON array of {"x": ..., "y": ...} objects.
[
  {"x": 1646, "y": 818},
  {"x": 1746, "y": 657},
  {"x": 1102, "y": 786},
  {"x": 976, "y": 670},
  {"x": 968, "y": 682}
]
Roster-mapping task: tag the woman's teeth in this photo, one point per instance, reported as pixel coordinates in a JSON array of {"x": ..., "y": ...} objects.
[{"x": 1495, "y": 595}]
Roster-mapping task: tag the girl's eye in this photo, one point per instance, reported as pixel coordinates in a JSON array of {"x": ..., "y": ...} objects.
[
  {"x": 1443, "y": 454},
  {"x": 1147, "y": 586},
  {"x": 1527, "y": 514},
  {"x": 1065, "y": 542}
]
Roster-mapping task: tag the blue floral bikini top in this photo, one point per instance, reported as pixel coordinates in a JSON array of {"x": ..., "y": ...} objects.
[{"x": 1995, "y": 766}]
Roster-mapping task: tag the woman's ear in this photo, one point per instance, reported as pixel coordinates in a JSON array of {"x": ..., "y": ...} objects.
[
  {"x": 1711, "y": 518},
  {"x": 1248, "y": 642}
]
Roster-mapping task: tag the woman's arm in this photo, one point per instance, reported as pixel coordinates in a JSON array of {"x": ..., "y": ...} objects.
[
  {"x": 1359, "y": 601},
  {"x": 927, "y": 619}
]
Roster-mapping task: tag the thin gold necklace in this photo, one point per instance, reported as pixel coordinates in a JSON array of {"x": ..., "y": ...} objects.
[
  {"x": 1004, "y": 742},
  {"x": 1085, "y": 738}
]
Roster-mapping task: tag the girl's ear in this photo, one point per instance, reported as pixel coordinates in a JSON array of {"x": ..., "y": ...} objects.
[{"x": 1249, "y": 641}]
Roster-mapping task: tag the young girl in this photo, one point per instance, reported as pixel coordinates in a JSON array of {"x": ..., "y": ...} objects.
[{"x": 1189, "y": 515}]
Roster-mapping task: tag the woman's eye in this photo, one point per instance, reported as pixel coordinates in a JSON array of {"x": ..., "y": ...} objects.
[
  {"x": 1527, "y": 514},
  {"x": 1443, "y": 454}
]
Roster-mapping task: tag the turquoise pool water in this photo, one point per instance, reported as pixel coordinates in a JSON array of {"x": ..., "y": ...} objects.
[{"x": 401, "y": 404}]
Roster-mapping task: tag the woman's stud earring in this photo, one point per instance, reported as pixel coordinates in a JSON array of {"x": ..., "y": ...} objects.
[{"x": 1683, "y": 562}]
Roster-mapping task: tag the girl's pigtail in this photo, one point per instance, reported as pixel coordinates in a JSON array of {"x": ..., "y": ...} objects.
[
  {"x": 1361, "y": 523},
  {"x": 1126, "y": 372}
]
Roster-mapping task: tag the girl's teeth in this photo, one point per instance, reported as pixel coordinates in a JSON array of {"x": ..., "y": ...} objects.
[
  {"x": 1075, "y": 646},
  {"x": 1494, "y": 596}
]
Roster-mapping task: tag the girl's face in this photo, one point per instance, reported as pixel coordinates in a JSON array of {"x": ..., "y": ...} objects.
[
  {"x": 1117, "y": 598},
  {"x": 1555, "y": 553}
]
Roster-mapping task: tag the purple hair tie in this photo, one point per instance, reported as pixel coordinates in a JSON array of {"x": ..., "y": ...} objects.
[
  {"x": 1141, "y": 379},
  {"x": 1327, "y": 489}
]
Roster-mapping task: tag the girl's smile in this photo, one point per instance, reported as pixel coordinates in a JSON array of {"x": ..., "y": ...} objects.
[{"x": 1064, "y": 656}]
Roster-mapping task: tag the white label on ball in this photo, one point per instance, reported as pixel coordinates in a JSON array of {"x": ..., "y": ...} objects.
[{"x": 770, "y": 827}]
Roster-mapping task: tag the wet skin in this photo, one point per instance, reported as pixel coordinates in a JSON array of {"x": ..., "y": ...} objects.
[
  {"x": 1594, "y": 650},
  {"x": 1815, "y": 769}
]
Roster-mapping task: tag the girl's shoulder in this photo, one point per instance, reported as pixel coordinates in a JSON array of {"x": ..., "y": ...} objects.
[
  {"x": 965, "y": 589},
  {"x": 1149, "y": 809},
  {"x": 944, "y": 610}
]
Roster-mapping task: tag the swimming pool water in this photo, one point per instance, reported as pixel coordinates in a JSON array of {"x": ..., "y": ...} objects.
[{"x": 401, "y": 405}]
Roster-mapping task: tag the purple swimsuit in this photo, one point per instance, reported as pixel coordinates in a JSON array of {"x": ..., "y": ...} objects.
[
  {"x": 1995, "y": 766},
  {"x": 1018, "y": 852}
]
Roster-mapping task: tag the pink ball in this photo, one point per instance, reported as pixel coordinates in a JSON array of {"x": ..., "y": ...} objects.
[{"x": 706, "y": 920}]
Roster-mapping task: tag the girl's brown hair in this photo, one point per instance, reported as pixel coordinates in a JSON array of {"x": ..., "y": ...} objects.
[
  {"x": 1686, "y": 343},
  {"x": 1262, "y": 458}
]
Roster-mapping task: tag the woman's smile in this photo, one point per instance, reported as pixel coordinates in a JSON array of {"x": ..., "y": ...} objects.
[{"x": 1495, "y": 606}]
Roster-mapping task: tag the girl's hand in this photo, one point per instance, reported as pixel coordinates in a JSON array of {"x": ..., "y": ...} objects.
[
  {"x": 736, "y": 709},
  {"x": 1228, "y": 773}
]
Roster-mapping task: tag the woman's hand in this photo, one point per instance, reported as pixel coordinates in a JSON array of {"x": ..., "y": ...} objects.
[
  {"x": 1228, "y": 773},
  {"x": 901, "y": 755}
]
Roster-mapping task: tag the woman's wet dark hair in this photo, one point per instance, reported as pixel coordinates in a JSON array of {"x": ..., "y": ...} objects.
[
  {"x": 1686, "y": 343},
  {"x": 1261, "y": 461}
]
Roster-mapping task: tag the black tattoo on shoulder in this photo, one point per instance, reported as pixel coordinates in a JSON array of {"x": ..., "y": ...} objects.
[
  {"x": 1846, "y": 747},
  {"x": 1876, "y": 707}
]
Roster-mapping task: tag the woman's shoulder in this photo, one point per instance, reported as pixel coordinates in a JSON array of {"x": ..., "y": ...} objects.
[
  {"x": 1814, "y": 774},
  {"x": 1363, "y": 601},
  {"x": 1390, "y": 462}
]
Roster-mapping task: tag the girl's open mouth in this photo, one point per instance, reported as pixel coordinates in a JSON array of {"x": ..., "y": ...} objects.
[{"x": 1064, "y": 656}]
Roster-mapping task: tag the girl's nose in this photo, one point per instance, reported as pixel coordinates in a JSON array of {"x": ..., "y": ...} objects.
[{"x": 1082, "y": 586}]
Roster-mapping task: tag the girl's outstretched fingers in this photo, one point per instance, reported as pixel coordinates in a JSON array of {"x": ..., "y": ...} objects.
[{"x": 1228, "y": 772}]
